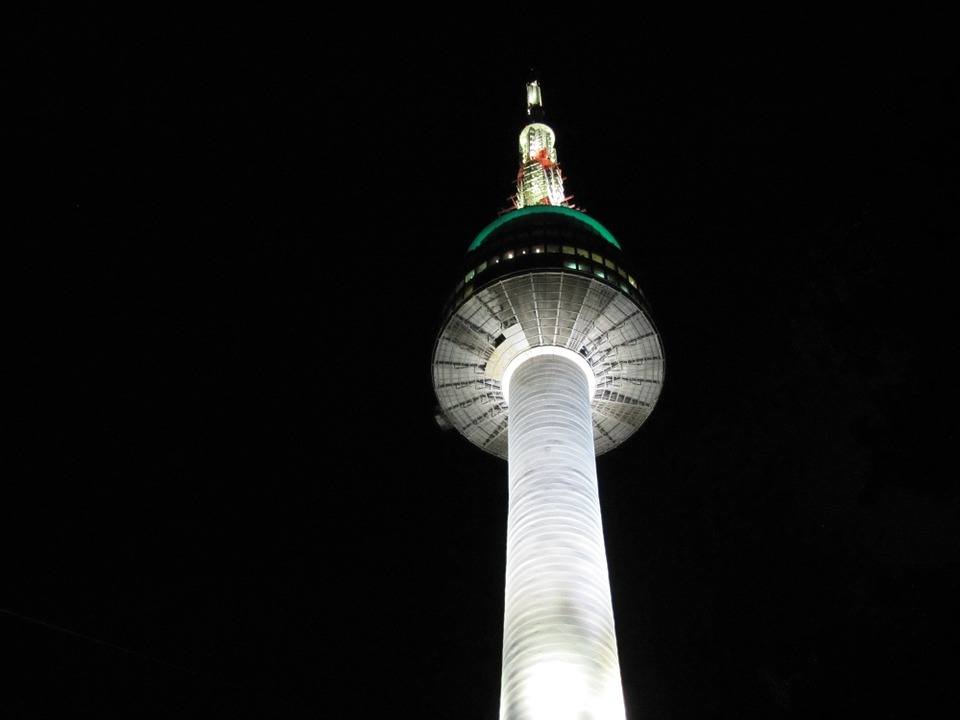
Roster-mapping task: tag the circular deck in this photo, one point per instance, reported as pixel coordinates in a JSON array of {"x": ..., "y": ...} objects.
[{"x": 606, "y": 326}]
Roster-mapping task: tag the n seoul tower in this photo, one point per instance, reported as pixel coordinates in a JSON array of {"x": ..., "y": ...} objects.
[{"x": 547, "y": 356}]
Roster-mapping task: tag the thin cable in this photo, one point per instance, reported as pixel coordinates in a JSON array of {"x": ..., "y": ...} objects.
[{"x": 106, "y": 643}]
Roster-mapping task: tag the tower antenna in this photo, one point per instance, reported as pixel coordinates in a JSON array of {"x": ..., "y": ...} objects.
[{"x": 539, "y": 180}]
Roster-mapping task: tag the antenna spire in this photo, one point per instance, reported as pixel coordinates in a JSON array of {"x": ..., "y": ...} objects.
[
  {"x": 534, "y": 101},
  {"x": 539, "y": 181}
]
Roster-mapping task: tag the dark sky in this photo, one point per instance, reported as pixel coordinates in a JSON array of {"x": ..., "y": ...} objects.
[{"x": 228, "y": 485}]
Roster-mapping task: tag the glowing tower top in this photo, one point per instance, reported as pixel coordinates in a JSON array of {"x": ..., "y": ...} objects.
[
  {"x": 545, "y": 274},
  {"x": 539, "y": 181}
]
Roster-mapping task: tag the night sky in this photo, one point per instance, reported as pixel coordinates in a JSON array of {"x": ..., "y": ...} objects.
[{"x": 229, "y": 497}]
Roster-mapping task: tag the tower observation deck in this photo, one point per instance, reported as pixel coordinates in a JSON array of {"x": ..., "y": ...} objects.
[{"x": 547, "y": 356}]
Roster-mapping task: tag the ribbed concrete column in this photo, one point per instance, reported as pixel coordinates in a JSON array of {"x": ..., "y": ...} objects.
[{"x": 559, "y": 646}]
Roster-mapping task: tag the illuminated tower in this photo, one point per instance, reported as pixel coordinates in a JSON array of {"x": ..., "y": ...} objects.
[{"x": 547, "y": 356}]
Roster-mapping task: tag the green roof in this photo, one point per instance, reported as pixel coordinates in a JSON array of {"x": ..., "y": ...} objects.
[{"x": 541, "y": 210}]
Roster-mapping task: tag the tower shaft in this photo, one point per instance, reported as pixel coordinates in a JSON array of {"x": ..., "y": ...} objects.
[{"x": 559, "y": 647}]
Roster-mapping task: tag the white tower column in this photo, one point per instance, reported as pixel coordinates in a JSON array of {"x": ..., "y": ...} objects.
[{"x": 559, "y": 645}]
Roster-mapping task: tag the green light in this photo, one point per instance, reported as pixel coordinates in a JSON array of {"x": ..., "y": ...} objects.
[{"x": 544, "y": 209}]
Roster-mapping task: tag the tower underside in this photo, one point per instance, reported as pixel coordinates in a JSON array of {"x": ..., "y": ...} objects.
[
  {"x": 559, "y": 645},
  {"x": 605, "y": 325}
]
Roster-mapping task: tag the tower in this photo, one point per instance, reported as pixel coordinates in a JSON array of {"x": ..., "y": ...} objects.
[{"x": 547, "y": 356}]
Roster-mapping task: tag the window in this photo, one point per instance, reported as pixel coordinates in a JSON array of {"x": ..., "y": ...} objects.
[
  {"x": 570, "y": 264},
  {"x": 537, "y": 249},
  {"x": 468, "y": 277},
  {"x": 568, "y": 250},
  {"x": 553, "y": 248},
  {"x": 583, "y": 253},
  {"x": 610, "y": 264},
  {"x": 599, "y": 272},
  {"x": 596, "y": 258},
  {"x": 631, "y": 280},
  {"x": 508, "y": 255},
  {"x": 481, "y": 267}
]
